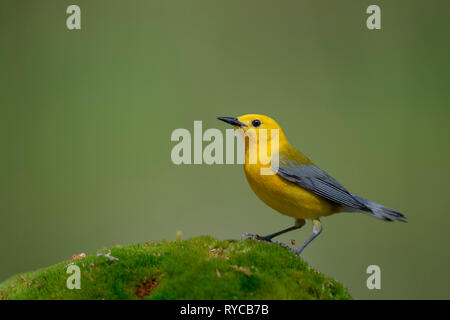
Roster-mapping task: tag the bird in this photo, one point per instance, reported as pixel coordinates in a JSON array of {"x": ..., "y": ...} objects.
[{"x": 290, "y": 183}]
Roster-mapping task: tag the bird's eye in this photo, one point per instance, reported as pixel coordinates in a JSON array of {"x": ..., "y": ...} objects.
[{"x": 256, "y": 123}]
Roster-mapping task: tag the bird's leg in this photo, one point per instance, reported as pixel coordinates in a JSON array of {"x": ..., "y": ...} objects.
[
  {"x": 317, "y": 229},
  {"x": 298, "y": 224},
  {"x": 269, "y": 237}
]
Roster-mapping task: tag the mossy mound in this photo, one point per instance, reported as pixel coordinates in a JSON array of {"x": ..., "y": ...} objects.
[{"x": 198, "y": 268}]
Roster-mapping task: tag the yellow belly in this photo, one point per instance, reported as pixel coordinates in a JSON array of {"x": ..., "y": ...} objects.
[{"x": 286, "y": 197}]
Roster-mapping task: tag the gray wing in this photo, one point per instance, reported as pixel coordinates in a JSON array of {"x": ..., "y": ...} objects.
[{"x": 319, "y": 182}]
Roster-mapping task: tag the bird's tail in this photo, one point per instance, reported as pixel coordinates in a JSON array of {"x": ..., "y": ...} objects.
[{"x": 378, "y": 211}]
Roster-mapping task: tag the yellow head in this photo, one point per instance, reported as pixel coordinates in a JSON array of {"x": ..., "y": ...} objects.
[
  {"x": 252, "y": 126},
  {"x": 263, "y": 136}
]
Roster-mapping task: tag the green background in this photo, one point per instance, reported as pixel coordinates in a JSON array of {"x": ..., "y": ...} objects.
[{"x": 86, "y": 118}]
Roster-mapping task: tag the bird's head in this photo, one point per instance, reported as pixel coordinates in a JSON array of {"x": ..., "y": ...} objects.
[{"x": 252, "y": 126}]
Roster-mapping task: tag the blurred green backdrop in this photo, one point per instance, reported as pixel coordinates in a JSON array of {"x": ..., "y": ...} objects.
[{"x": 86, "y": 118}]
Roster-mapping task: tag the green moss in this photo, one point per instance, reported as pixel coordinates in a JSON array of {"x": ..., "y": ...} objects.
[{"x": 198, "y": 268}]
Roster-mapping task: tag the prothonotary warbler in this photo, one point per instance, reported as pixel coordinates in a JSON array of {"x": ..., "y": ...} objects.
[{"x": 295, "y": 186}]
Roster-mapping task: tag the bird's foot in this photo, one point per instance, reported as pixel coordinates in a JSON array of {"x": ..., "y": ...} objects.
[
  {"x": 247, "y": 235},
  {"x": 283, "y": 244},
  {"x": 300, "y": 250},
  {"x": 297, "y": 251},
  {"x": 255, "y": 237}
]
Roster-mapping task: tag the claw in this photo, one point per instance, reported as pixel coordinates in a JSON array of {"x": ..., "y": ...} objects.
[
  {"x": 263, "y": 238},
  {"x": 247, "y": 235},
  {"x": 283, "y": 245},
  {"x": 255, "y": 237},
  {"x": 297, "y": 251}
]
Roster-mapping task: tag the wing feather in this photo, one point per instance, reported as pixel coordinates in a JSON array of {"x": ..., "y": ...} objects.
[{"x": 317, "y": 181}]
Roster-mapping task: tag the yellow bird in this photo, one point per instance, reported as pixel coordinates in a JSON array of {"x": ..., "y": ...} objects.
[{"x": 291, "y": 183}]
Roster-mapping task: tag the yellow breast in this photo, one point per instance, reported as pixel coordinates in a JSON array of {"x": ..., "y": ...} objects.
[{"x": 286, "y": 197}]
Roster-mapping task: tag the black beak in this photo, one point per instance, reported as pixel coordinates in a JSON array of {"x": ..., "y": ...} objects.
[{"x": 232, "y": 121}]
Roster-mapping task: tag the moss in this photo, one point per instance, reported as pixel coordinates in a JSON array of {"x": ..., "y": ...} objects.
[{"x": 198, "y": 268}]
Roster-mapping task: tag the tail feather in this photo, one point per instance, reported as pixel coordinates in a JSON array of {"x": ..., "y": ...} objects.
[{"x": 379, "y": 211}]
